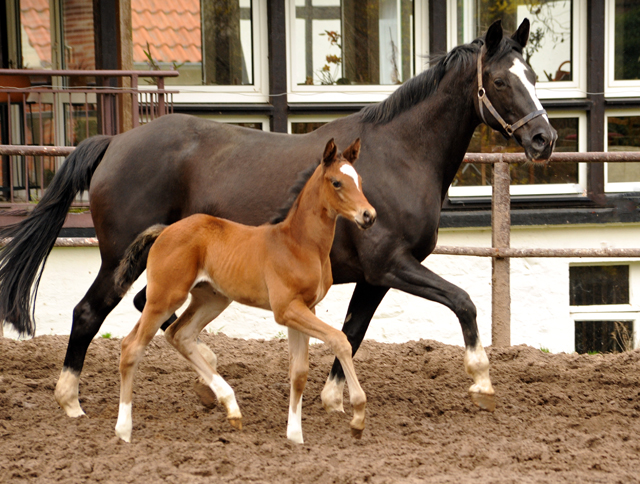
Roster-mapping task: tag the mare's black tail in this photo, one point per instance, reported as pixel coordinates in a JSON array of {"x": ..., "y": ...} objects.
[
  {"x": 129, "y": 268},
  {"x": 30, "y": 241}
]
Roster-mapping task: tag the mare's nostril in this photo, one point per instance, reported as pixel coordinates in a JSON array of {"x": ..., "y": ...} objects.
[{"x": 540, "y": 141}]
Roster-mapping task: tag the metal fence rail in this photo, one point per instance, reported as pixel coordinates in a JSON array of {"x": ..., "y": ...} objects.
[{"x": 501, "y": 252}]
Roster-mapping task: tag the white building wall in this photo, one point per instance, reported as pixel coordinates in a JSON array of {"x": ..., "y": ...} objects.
[{"x": 540, "y": 313}]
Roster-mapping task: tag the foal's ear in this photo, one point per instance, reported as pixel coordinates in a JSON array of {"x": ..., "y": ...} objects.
[
  {"x": 330, "y": 153},
  {"x": 521, "y": 36},
  {"x": 353, "y": 151},
  {"x": 494, "y": 36}
]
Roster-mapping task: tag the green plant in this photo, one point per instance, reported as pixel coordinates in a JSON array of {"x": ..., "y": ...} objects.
[
  {"x": 106, "y": 335},
  {"x": 544, "y": 350},
  {"x": 280, "y": 335}
]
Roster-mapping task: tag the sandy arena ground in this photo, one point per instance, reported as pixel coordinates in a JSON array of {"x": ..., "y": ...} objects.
[{"x": 560, "y": 418}]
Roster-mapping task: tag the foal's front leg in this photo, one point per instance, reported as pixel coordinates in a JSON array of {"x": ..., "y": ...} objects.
[
  {"x": 298, "y": 373},
  {"x": 298, "y": 316}
]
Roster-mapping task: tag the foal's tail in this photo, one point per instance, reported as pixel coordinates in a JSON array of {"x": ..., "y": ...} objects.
[
  {"x": 129, "y": 268},
  {"x": 29, "y": 242}
]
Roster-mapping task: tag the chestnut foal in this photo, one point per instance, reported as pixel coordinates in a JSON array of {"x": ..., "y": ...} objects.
[{"x": 282, "y": 267}]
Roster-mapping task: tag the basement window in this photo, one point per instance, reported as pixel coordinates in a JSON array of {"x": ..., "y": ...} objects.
[{"x": 599, "y": 297}]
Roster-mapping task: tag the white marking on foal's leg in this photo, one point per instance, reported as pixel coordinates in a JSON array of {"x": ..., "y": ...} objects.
[
  {"x": 476, "y": 364},
  {"x": 294, "y": 424},
  {"x": 124, "y": 425},
  {"x": 519, "y": 70},
  {"x": 227, "y": 397},
  {"x": 67, "y": 393},
  {"x": 349, "y": 170},
  {"x": 332, "y": 395}
]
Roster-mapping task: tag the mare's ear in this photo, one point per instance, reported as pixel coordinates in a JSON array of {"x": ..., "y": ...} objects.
[
  {"x": 330, "y": 153},
  {"x": 521, "y": 36},
  {"x": 494, "y": 36},
  {"x": 352, "y": 152}
]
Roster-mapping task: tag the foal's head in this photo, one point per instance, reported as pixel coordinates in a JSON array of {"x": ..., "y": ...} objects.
[{"x": 343, "y": 186}]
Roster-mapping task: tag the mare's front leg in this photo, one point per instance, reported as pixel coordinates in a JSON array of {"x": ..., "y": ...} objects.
[
  {"x": 298, "y": 374},
  {"x": 364, "y": 302},
  {"x": 298, "y": 316},
  {"x": 407, "y": 274}
]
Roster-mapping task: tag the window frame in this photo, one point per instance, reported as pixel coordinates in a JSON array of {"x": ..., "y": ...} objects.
[
  {"x": 354, "y": 94},
  {"x": 613, "y": 88},
  {"x": 612, "y": 312},
  {"x": 256, "y": 93},
  {"x": 551, "y": 189},
  {"x": 312, "y": 118},
  {"x": 576, "y": 88},
  {"x": 617, "y": 187},
  {"x": 228, "y": 119}
]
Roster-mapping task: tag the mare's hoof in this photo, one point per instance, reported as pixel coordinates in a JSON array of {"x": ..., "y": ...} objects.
[
  {"x": 236, "y": 423},
  {"x": 205, "y": 394},
  {"x": 484, "y": 401},
  {"x": 356, "y": 433}
]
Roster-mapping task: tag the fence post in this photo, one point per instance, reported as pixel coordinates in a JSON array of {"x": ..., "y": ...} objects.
[{"x": 500, "y": 266}]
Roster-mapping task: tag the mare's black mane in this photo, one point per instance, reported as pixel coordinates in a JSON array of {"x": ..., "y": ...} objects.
[
  {"x": 425, "y": 84},
  {"x": 294, "y": 191}
]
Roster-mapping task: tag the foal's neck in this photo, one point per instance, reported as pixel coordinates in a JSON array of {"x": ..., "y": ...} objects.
[{"x": 311, "y": 223}]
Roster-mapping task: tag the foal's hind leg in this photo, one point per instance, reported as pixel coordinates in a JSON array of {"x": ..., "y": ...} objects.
[
  {"x": 298, "y": 373},
  {"x": 205, "y": 305},
  {"x": 206, "y": 396}
]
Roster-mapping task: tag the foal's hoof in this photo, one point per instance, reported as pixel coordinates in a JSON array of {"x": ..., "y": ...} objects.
[
  {"x": 205, "y": 394},
  {"x": 484, "y": 401},
  {"x": 356, "y": 433},
  {"x": 236, "y": 423}
]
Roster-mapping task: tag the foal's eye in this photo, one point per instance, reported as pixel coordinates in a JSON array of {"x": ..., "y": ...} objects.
[
  {"x": 499, "y": 83},
  {"x": 336, "y": 184}
]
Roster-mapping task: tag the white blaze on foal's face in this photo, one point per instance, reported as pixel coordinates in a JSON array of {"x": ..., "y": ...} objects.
[
  {"x": 519, "y": 69},
  {"x": 349, "y": 170}
]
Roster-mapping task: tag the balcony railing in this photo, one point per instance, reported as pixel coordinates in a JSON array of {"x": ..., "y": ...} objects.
[{"x": 45, "y": 113}]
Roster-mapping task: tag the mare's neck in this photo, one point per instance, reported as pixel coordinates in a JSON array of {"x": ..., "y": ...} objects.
[{"x": 311, "y": 223}]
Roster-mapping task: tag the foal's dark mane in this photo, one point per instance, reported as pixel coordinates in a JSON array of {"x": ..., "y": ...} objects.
[
  {"x": 294, "y": 191},
  {"x": 425, "y": 84}
]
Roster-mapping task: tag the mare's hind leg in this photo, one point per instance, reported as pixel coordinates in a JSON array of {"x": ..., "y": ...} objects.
[
  {"x": 298, "y": 374},
  {"x": 205, "y": 305},
  {"x": 364, "y": 302},
  {"x": 88, "y": 316}
]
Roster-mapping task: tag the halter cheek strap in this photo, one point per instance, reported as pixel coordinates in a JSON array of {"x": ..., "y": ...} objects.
[{"x": 483, "y": 100}]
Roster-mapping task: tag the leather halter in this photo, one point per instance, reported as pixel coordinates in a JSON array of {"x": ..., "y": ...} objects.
[{"x": 483, "y": 99}]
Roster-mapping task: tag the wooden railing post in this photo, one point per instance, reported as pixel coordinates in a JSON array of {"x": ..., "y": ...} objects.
[{"x": 500, "y": 267}]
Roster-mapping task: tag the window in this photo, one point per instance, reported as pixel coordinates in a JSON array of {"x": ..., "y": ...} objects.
[
  {"x": 307, "y": 124},
  {"x": 623, "y": 46},
  {"x": 556, "y": 48},
  {"x": 600, "y": 300},
  {"x": 218, "y": 46},
  {"x": 342, "y": 48},
  {"x": 529, "y": 178},
  {"x": 623, "y": 134},
  {"x": 255, "y": 122}
]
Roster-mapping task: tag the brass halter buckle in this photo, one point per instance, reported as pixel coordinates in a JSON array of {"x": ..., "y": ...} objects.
[{"x": 484, "y": 100}]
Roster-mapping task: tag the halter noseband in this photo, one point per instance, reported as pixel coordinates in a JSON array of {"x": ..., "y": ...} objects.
[{"x": 483, "y": 99}]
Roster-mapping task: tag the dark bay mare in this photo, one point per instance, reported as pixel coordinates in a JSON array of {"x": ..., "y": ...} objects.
[{"x": 412, "y": 146}]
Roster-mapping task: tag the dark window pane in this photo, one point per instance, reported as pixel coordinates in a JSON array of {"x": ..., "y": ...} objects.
[
  {"x": 302, "y": 128},
  {"x": 603, "y": 336},
  {"x": 595, "y": 285},
  {"x": 623, "y": 134},
  {"x": 627, "y": 40}
]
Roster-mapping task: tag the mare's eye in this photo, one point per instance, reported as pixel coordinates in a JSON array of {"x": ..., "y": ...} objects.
[
  {"x": 499, "y": 83},
  {"x": 336, "y": 184}
]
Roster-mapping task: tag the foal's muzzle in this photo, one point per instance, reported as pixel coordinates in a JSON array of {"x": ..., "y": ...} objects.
[{"x": 366, "y": 218}]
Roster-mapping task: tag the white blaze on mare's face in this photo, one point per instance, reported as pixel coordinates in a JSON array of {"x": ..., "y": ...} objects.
[
  {"x": 519, "y": 69},
  {"x": 349, "y": 170}
]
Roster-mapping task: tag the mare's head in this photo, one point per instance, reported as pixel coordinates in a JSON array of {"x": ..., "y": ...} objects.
[
  {"x": 507, "y": 84},
  {"x": 342, "y": 186}
]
